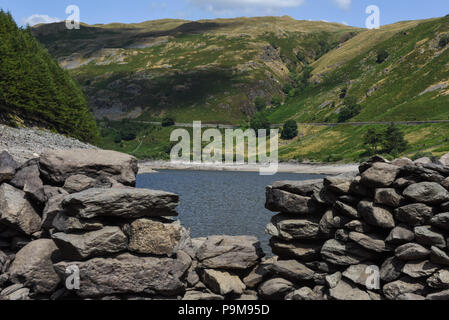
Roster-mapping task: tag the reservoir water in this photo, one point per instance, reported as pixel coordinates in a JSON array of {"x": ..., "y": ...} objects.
[{"x": 220, "y": 202}]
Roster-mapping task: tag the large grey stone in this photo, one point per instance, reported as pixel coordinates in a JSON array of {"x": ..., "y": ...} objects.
[
  {"x": 441, "y": 221},
  {"x": 438, "y": 256},
  {"x": 346, "y": 210},
  {"x": 226, "y": 252},
  {"x": 286, "y": 202},
  {"x": 361, "y": 274},
  {"x": 370, "y": 242},
  {"x": 291, "y": 270},
  {"x": 344, "y": 254},
  {"x": 150, "y": 236},
  {"x": 223, "y": 283},
  {"x": 400, "y": 235},
  {"x": 78, "y": 183},
  {"x": 33, "y": 266},
  {"x": 8, "y": 167},
  {"x": 347, "y": 291},
  {"x": 376, "y": 215},
  {"x": 428, "y": 236},
  {"x": 127, "y": 273},
  {"x": 28, "y": 179},
  {"x": 411, "y": 251},
  {"x": 402, "y": 286},
  {"x": 303, "y": 188},
  {"x": 67, "y": 224},
  {"x": 388, "y": 197},
  {"x": 442, "y": 295},
  {"x": 414, "y": 214},
  {"x": 380, "y": 175},
  {"x": 391, "y": 269},
  {"x": 58, "y": 165},
  {"x": 275, "y": 289},
  {"x": 16, "y": 211},
  {"x": 427, "y": 192},
  {"x": 298, "y": 250},
  {"x": 290, "y": 228},
  {"x": 52, "y": 208},
  {"x": 82, "y": 246},
  {"x": 120, "y": 202},
  {"x": 419, "y": 269},
  {"x": 439, "y": 280}
]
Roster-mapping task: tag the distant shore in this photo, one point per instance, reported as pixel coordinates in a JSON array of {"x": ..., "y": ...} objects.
[{"x": 283, "y": 167}]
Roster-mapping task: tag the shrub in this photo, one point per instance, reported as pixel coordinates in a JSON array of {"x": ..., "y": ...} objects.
[
  {"x": 443, "y": 41},
  {"x": 382, "y": 56},
  {"x": 290, "y": 130}
]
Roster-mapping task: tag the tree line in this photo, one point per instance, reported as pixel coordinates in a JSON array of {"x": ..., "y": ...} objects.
[{"x": 34, "y": 89}]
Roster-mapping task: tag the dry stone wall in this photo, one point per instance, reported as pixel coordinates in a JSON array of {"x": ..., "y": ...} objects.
[
  {"x": 379, "y": 234},
  {"x": 77, "y": 213}
]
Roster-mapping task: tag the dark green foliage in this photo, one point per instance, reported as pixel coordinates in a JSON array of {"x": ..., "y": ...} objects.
[
  {"x": 350, "y": 110},
  {"x": 390, "y": 141},
  {"x": 382, "y": 56},
  {"x": 372, "y": 140},
  {"x": 290, "y": 130},
  {"x": 394, "y": 142},
  {"x": 259, "y": 121},
  {"x": 35, "y": 89},
  {"x": 168, "y": 122},
  {"x": 260, "y": 103},
  {"x": 443, "y": 41}
]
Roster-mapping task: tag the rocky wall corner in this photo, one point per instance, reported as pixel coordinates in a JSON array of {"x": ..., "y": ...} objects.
[
  {"x": 390, "y": 220},
  {"x": 79, "y": 210}
]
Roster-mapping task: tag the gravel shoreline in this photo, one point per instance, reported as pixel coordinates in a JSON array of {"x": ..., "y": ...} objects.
[
  {"x": 150, "y": 166},
  {"x": 28, "y": 143}
]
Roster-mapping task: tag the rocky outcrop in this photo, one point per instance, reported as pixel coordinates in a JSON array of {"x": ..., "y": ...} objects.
[
  {"x": 381, "y": 234},
  {"x": 73, "y": 214}
]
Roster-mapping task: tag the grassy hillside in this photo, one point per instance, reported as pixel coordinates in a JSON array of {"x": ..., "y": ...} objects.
[
  {"x": 35, "y": 90},
  {"x": 216, "y": 70},
  {"x": 206, "y": 70}
]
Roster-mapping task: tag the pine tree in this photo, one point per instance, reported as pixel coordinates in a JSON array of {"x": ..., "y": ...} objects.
[{"x": 34, "y": 88}]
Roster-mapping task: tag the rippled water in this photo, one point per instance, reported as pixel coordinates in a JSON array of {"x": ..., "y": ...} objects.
[{"x": 220, "y": 202}]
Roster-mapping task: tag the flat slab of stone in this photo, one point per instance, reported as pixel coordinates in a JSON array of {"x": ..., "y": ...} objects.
[
  {"x": 286, "y": 202},
  {"x": 120, "y": 202},
  {"x": 303, "y": 188},
  {"x": 128, "y": 273},
  {"x": 344, "y": 254},
  {"x": 227, "y": 252},
  {"x": 58, "y": 165},
  {"x": 105, "y": 241},
  {"x": 347, "y": 291},
  {"x": 290, "y": 228}
]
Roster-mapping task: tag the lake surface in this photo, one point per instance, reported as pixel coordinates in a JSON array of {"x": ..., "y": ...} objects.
[{"x": 220, "y": 202}]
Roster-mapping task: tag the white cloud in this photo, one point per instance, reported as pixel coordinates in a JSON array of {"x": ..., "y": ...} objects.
[
  {"x": 40, "y": 18},
  {"x": 344, "y": 4},
  {"x": 232, "y": 6}
]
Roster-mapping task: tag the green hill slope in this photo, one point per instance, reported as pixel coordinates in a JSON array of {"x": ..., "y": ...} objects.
[
  {"x": 35, "y": 90},
  {"x": 206, "y": 70},
  {"x": 216, "y": 70}
]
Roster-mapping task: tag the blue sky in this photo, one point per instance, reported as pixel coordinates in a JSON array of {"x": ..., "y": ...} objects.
[{"x": 351, "y": 12}]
